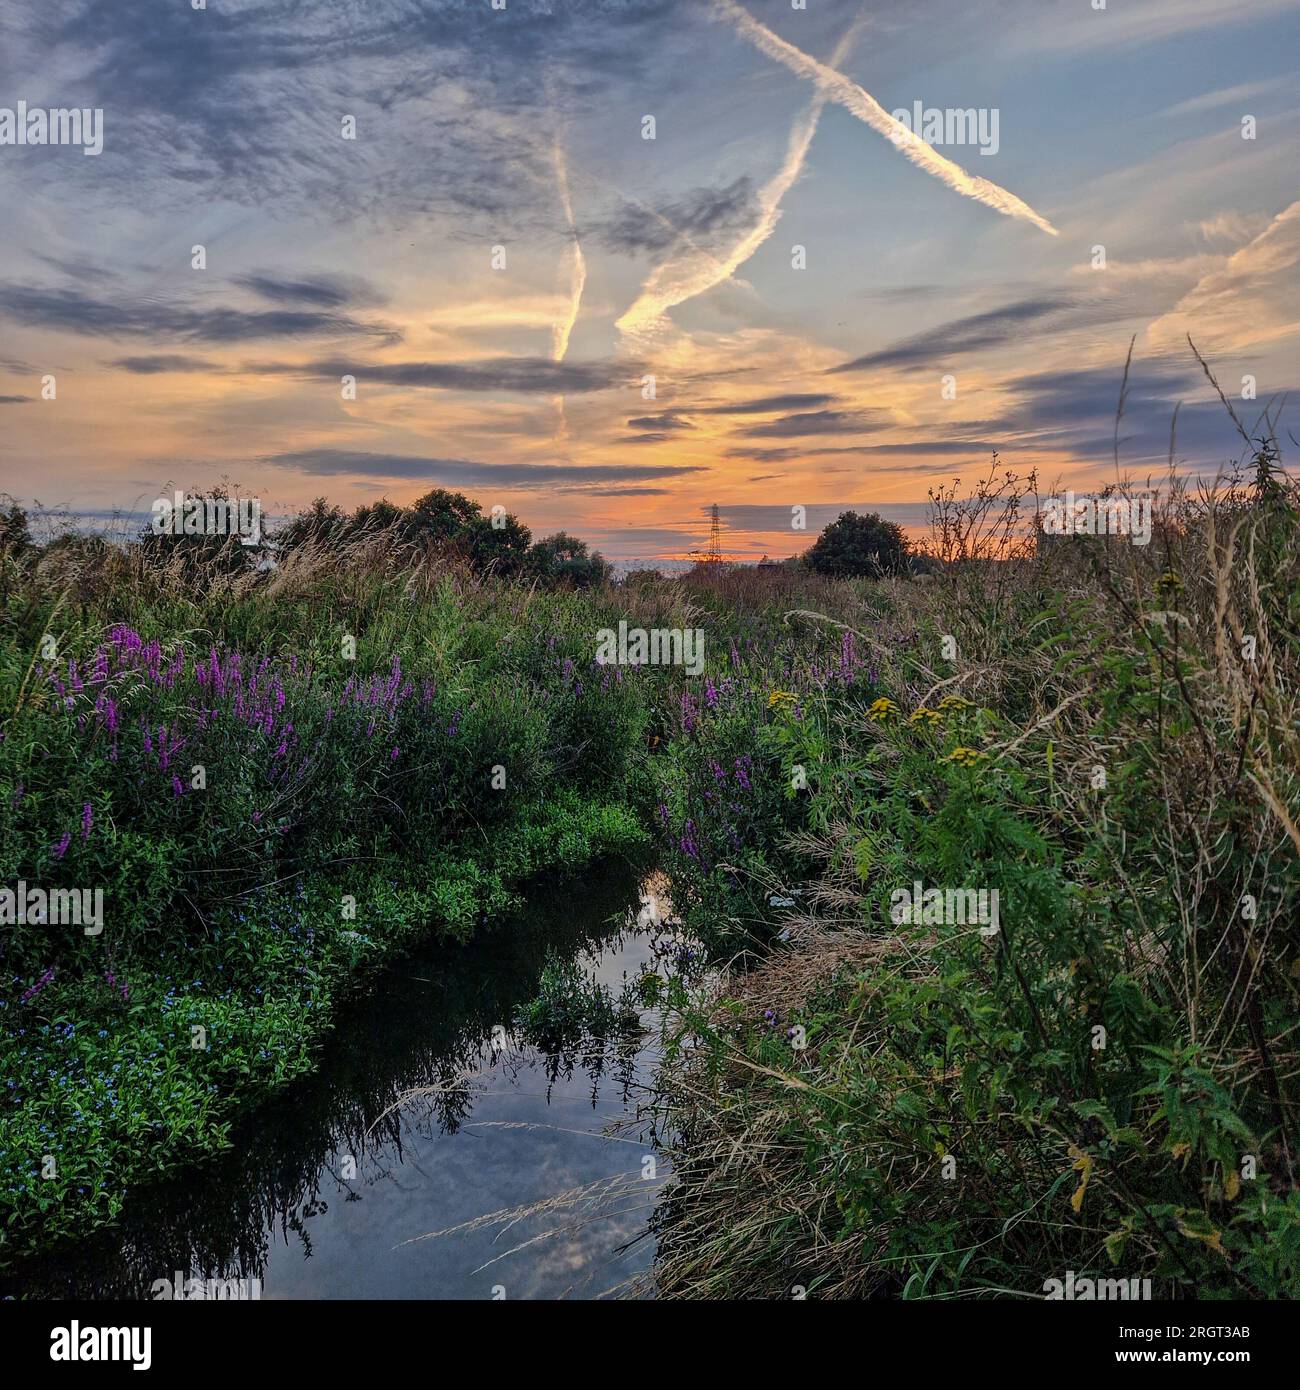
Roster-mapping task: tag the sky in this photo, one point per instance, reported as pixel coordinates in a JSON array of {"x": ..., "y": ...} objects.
[{"x": 779, "y": 301}]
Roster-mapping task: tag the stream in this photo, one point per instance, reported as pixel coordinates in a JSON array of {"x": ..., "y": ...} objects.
[{"x": 495, "y": 1179}]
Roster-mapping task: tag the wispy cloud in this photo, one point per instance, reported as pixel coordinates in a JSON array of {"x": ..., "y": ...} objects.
[
  {"x": 947, "y": 340},
  {"x": 466, "y": 472},
  {"x": 155, "y": 364},
  {"x": 702, "y": 212},
  {"x": 316, "y": 291},
  {"x": 1247, "y": 302},
  {"x": 72, "y": 311},
  {"x": 866, "y": 108},
  {"x": 667, "y": 421},
  {"x": 1225, "y": 96},
  {"x": 811, "y": 422},
  {"x": 525, "y": 375},
  {"x": 769, "y": 405}
]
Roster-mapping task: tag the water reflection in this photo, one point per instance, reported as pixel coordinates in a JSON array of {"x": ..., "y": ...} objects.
[{"x": 414, "y": 1125}]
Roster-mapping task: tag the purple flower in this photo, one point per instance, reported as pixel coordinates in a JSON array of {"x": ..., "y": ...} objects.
[
  {"x": 38, "y": 986},
  {"x": 688, "y": 712},
  {"x": 87, "y": 820},
  {"x": 62, "y": 847}
]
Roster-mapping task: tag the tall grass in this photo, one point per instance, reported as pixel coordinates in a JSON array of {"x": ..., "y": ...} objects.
[{"x": 1109, "y": 1083}]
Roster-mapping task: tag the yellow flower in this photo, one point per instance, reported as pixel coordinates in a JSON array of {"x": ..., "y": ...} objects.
[
  {"x": 1083, "y": 1165},
  {"x": 780, "y": 697},
  {"x": 967, "y": 757},
  {"x": 951, "y": 702},
  {"x": 925, "y": 716},
  {"x": 882, "y": 709},
  {"x": 1169, "y": 585}
]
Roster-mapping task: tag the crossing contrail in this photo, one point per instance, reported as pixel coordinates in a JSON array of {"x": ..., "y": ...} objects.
[
  {"x": 685, "y": 276},
  {"x": 866, "y": 108}
]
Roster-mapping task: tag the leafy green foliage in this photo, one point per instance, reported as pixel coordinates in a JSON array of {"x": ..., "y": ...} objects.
[{"x": 856, "y": 544}]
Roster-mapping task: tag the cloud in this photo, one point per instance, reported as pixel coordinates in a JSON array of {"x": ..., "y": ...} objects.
[
  {"x": 71, "y": 311},
  {"x": 466, "y": 473},
  {"x": 866, "y": 108},
  {"x": 1224, "y": 96},
  {"x": 667, "y": 421},
  {"x": 697, "y": 214},
  {"x": 153, "y": 364},
  {"x": 1074, "y": 413},
  {"x": 316, "y": 291},
  {"x": 247, "y": 98},
  {"x": 1249, "y": 301},
  {"x": 1074, "y": 29},
  {"x": 974, "y": 332},
  {"x": 523, "y": 375},
  {"x": 764, "y": 518},
  {"x": 818, "y": 422},
  {"x": 15, "y": 400},
  {"x": 768, "y": 405},
  {"x": 626, "y": 491}
]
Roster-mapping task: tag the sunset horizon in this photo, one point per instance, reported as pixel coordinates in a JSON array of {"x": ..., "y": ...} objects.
[{"x": 554, "y": 262}]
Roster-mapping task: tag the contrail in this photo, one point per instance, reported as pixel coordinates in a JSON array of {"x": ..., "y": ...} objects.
[
  {"x": 866, "y": 108},
  {"x": 578, "y": 263},
  {"x": 684, "y": 277},
  {"x": 577, "y": 281}
]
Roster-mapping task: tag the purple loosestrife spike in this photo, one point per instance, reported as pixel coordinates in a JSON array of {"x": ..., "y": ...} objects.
[{"x": 38, "y": 986}]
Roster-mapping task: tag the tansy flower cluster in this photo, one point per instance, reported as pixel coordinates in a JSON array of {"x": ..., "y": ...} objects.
[
  {"x": 1169, "y": 586},
  {"x": 882, "y": 709}
]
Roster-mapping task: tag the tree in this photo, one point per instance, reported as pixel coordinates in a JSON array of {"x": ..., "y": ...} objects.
[
  {"x": 14, "y": 535},
  {"x": 446, "y": 516},
  {"x": 498, "y": 544},
  {"x": 203, "y": 550},
  {"x": 853, "y": 544},
  {"x": 564, "y": 559},
  {"x": 501, "y": 546},
  {"x": 322, "y": 523}
]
